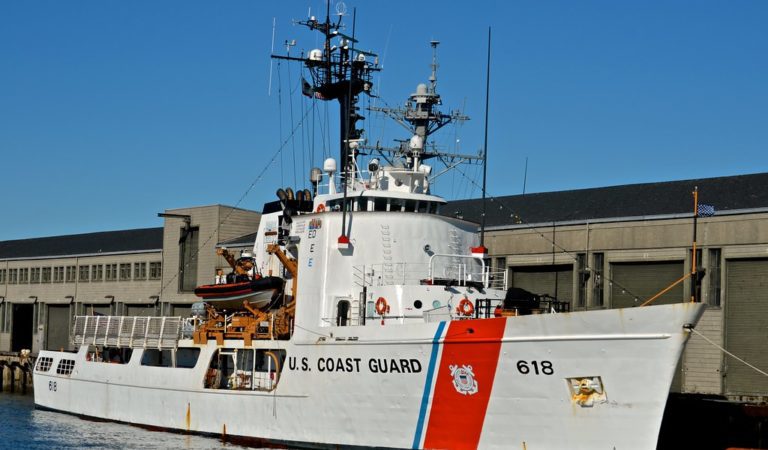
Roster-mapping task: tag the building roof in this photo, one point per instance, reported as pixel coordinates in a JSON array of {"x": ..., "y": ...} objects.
[
  {"x": 124, "y": 241},
  {"x": 726, "y": 194},
  {"x": 245, "y": 240}
]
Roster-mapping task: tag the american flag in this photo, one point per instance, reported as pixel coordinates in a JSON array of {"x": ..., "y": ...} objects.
[{"x": 705, "y": 210}]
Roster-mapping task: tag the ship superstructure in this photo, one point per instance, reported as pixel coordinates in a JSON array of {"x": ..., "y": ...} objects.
[{"x": 390, "y": 330}]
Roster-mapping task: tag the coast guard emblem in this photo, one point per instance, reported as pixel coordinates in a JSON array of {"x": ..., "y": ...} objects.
[{"x": 463, "y": 379}]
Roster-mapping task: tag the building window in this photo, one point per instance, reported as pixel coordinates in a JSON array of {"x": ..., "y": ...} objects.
[
  {"x": 46, "y": 277},
  {"x": 2, "y": 276},
  {"x": 58, "y": 274},
  {"x": 598, "y": 261},
  {"x": 71, "y": 274},
  {"x": 155, "y": 270},
  {"x": 713, "y": 297},
  {"x": 125, "y": 272},
  {"x": 13, "y": 276},
  {"x": 35, "y": 276},
  {"x": 84, "y": 273},
  {"x": 140, "y": 271},
  {"x": 110, "y": 272},
  {"x": 188, "y": 251},
  {"x": 24, "y": 275},
  {"x": 97, "y": 272},
  {"x": 583, "y": 274}
]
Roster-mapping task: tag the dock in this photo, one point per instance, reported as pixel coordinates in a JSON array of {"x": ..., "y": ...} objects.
[{"x": 16, "y": 372}]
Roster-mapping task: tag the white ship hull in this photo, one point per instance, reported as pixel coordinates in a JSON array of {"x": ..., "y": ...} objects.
[{"x": 523, "y": 368}]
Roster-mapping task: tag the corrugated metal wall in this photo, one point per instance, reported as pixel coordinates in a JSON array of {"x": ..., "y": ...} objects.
[
  {"x": 140, "y": 310},
  {"x": 555, "y": 280},
  {"x": 57, "y": 327},
  {"x": 746, "y": 325},
  {"x": 633, "y": 283}
]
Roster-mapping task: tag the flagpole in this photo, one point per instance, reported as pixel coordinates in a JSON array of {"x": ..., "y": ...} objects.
[{"x": 694, "y": 267}]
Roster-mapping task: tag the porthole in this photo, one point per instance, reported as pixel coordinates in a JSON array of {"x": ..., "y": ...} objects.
[{"x": 417, "y": 304}]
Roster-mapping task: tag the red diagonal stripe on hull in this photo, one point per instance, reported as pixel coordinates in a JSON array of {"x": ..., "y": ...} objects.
[{"x": 456, "y": 419}]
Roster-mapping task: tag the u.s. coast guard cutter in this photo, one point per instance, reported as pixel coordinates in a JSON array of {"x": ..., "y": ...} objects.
[{"x": 390, "y": 332}]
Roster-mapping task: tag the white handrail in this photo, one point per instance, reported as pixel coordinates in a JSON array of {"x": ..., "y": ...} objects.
[{"x": 462, "y": 277}]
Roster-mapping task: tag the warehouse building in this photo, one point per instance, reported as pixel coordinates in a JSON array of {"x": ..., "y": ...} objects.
[
  {"x": 610, "y": 247},
  {"x": 44, "y": 282},
  {"x": 617, "y": 247}
]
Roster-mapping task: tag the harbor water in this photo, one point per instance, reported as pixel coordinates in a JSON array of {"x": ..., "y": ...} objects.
[
  {"x": 688, "y": 423},
  {"x": 24, "y": 427}
]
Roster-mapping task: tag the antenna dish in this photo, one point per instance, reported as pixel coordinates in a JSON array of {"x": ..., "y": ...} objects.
[{"x": 329, "y": 165}]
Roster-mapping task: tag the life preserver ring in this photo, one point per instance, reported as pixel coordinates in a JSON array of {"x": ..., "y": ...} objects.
[
  {"x": 320, "y": 208},
  {"x": 465, "y": 307},
  {"x": 381, "y": 306}
]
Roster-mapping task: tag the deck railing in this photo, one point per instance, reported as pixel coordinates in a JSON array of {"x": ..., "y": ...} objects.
[
  {"x": 127, "y": 331},
  {"x": 460, "y": 268}
]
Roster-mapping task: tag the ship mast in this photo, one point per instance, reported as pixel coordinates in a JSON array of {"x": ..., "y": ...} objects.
[
  {"x": 339, "y": 72},
  {"x": 422, "y": 119}
]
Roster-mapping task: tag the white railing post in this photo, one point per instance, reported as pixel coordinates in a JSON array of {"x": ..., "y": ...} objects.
[{"x": 162, "y": 333}]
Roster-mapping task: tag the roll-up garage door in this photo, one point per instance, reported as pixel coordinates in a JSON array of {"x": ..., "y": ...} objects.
[
  {"x": 641, "y": 281},
  {"x": 182, "y": 310},
  {"x": 555, "y": 280},
  {"x": 57, "y": 327},
  {"x": 746, "y": 325},
  {"x": 97, "y": 309},
  {"x": 140, "y": 310},
  {"x": 633, "y": 283}
]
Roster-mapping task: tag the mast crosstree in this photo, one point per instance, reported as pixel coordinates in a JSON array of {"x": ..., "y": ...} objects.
[{"x": 340, "y": 72}]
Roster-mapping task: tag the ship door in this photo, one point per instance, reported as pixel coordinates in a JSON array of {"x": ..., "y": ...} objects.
[{"x": 343, "y": 312}]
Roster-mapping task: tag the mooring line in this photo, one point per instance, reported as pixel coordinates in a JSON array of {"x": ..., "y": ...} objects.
[{"x": 729, "y": 353}]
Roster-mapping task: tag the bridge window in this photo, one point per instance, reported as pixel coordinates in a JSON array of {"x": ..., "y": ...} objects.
[
  {"x": 157, "y": 358},
  {"x": 65, "y": 366},
  {"x": 44, "y": 364},
  {"x": 186, "y": 358},
  {"x": 110, "y": 355},
  {"x": 182, "y": 358},
  {"x": 361, "y": 204}
]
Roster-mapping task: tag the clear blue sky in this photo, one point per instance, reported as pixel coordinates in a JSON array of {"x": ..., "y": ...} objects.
[{"x": 112, "y": 111}]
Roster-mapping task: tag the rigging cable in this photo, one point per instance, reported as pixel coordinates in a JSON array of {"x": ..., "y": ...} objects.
[
  {"x": 563, "y": 250},
  {"x": 693, "y": 330},
  {"x": 259, "y": 177}
]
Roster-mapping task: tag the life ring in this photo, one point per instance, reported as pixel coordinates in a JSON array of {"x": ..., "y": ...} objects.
[
  {"x": 381, "y": 306},
  {"x": 320, "y": 208},
  {"x": 465, "y": 307}
]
